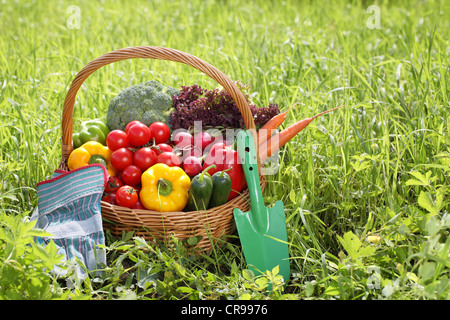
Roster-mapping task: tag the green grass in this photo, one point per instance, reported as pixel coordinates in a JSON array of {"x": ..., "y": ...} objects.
[{"x": 378, "y": 166}]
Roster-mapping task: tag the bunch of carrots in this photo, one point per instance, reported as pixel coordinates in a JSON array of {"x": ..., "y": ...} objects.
[{"x": 269, "y": 143}]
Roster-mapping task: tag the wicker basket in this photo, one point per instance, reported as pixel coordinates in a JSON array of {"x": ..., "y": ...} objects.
[{"x": 211, "y": 224}]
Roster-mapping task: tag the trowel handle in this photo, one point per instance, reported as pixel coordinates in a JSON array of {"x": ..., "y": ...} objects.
[{"x": 247, "y": 156}]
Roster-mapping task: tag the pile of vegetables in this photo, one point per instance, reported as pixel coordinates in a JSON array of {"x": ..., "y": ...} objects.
[
  {"x": 149, "y": 171},
  {"x": 156, "y": 161}
]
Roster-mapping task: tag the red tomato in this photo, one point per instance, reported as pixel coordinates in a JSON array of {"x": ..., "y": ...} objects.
[
  {"x": 121, "y": 158},
  {"x": 169, "y": 158},
  {"x": 131, "y": 175},
  {"x": 192, "y": 166},
  {"x": 139, "y": 134},
  {"x": 163, "y": 147},
  {"x": 160, "y": 132},
  {"x": 126, "y": 196},
  {"x": 110, "y": 198},
  {"x": 130, "y": 124},
  {"x": 203, "y": 139},
  {"x": 117, "y": 139},
  {"x": 113, "y": 184},
  {"x": 183, "y": 139},
  {"x": 144, "y": 158}
]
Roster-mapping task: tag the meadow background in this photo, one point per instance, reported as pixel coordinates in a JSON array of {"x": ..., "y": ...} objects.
[{"x": 365, "y": 188}]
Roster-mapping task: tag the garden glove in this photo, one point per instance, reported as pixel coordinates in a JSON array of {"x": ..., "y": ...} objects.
[{"x": 69, "y": 209}]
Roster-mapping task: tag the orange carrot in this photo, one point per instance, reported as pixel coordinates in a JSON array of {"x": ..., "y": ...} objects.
[
  {"x": 278, "y": 140},
  {"x": 269, "y": 127}
]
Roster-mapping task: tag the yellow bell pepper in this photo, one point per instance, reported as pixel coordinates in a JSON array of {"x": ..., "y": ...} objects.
[
  {"x": 91, "y": 152},
  {"x": 164, "y": 188}
]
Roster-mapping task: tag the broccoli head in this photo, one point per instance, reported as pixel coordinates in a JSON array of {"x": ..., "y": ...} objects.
[{"x": 147, "y": 102}]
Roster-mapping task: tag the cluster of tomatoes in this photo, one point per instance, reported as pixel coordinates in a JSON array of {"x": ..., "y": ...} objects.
[
  {"x": 138, "y": 147},
  {"x": 134, "y": 150}
]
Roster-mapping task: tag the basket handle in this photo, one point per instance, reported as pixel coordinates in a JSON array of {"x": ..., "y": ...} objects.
[{"x": 149, "y": 52}]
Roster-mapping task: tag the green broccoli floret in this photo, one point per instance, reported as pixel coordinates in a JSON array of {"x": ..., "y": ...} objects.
[{"x": 147, "y": 102}]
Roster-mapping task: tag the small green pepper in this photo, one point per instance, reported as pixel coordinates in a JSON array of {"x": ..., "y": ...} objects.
[
  {"x": 76, "y": 140},
  {"x": 91, "y": 130},
  {"x": 98, "y": 123},
  {"x": 200, "y": 191},
  {"x": 221, "y": 188}
]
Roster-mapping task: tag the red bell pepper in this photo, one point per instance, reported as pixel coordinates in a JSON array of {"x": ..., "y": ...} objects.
[{"x": 225, "y": 157}]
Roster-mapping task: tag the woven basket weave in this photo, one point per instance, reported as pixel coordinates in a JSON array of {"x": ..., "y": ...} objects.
[{"x": 211, "y": 224}]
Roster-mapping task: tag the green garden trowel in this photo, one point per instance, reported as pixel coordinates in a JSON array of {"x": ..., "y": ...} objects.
[{"x": 262, "y": 230}]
